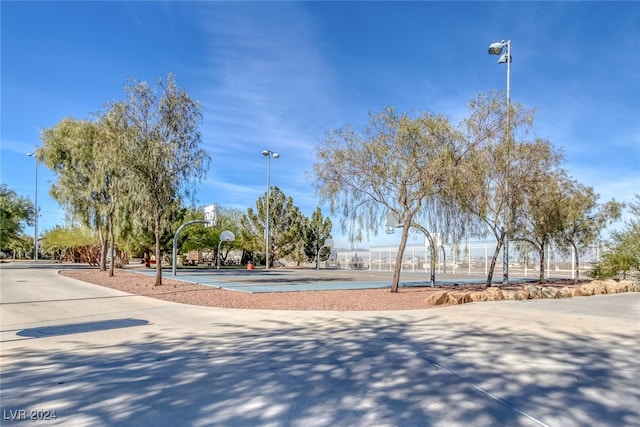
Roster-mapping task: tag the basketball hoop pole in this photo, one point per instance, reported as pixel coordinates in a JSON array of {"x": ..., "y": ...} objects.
[
  {"x": 433, "y": 251},
  {"x": 393, "y": 221},
  {"x": 175, "y": 240}
]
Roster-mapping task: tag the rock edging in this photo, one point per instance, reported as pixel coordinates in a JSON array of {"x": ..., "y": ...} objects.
[{"x": 532, "y": 291}]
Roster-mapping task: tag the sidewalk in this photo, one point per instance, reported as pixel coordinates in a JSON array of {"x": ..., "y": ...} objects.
[{"x": 99, "y": 357}]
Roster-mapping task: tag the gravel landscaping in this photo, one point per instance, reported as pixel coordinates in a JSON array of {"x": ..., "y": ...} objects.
[{"x": 408, "y": 298}]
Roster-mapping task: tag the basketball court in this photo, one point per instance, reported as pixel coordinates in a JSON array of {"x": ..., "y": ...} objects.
[{"x": 299, "y": 280}]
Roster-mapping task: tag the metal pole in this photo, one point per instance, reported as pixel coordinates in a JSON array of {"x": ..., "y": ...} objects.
[
  {"x": 573, "y": 263},
  {"x": 433, "y": 251},
  {"x": 35, "y": 234},
  {"x": 267, "y": 223},
  {"x": 175, "y": 241},
  {"x": 486, "y": 260},
  {"x": 505, "y": 252},
  {"x": 35, "y": 228},
  {"x": 444, "y": 259}
]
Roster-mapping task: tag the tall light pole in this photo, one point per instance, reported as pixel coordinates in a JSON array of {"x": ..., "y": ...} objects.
[
  {"x": 35, "y": 230},
  {"x": 505, "y": 58},
  {"x": 268, "y": 154}
]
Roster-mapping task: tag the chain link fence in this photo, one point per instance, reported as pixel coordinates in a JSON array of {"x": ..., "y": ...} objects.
[{"x": 471, "y": 258}]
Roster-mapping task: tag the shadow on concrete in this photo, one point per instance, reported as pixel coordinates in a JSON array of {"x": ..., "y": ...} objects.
[
  {"x": 331, "y": 372},
  {"x": 78, "y": 328}
]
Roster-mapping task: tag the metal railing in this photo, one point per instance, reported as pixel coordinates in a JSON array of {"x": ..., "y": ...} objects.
[{"x": 471, "y": 258}]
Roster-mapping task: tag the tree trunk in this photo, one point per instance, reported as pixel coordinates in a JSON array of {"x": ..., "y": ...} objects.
[
  {"x": 492, "y": 266},
  {"x": 158, "y": 253},
  {"x": 576, "y": 257},
  {"x": 103, "y": 250},
  {"x": 400, "y": 255},
  {"x": 542, "y": 259},
  {"x": 112, "y": 246}
]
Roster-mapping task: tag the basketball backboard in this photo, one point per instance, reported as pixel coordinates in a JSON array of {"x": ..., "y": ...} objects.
[{"x": 211, "y": 215}]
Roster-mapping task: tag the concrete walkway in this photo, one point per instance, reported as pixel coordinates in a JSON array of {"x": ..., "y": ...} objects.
[{"x": 99, "y": 357}]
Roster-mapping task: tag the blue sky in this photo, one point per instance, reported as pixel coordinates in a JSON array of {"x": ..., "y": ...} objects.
[{"x": 278, "y": 75}]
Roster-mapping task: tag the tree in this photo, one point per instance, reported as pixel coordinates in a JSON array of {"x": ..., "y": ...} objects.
[
  {"x": 487, "y": 184},
  {"x": 158, "y": 128},
  {"x": 21, "y": 246},
  {"x": 65, "y": 243},
  {"x": 137, "y": 237},
  {"x": 622, "y": 258},
  {"x": 285, "y": 225},
  {"x": 196, "y": 237},
  {"x": 298, "y": 255},
  {"x": 537, "y": 217},
  {"x": 228, "y": 219},
  {"x": 112, "y": 176},
  {"x": 15, "y": 213},
  {"x": 86, "y": 158},
  {"x": 399, "y": 165},
  {"x": 583, "y": 219},
  {"x": 317, "y": 231},
  {"x": 208, "y": 238}
]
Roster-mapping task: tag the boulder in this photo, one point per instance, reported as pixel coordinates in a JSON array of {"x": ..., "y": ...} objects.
[
  {"x": 515, "y": 294},
  {"x": 509, "y": 294},
  {"x": 613, "y": 287},
  {"x": 478, "y": 296},
  {"x": 459, "y": 297},
  {"x": 534, "y": 291},
  {"x": 494, "y": 294},
  {"x": 564, "y": 293},
  {"x": 438, "y": 298},
  {"x": 592, "y": 288},
  {"x": 549, "y": 292}
]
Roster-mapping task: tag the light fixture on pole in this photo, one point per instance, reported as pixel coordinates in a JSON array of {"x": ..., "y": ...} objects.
[
  {"x": 268, "y": 154},
  {"x": 35, "y": 229},
  {"x": 505, "y": 58}
]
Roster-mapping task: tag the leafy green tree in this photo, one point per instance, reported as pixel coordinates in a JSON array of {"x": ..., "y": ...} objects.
[
  {"x": 228, "y": 219},
  {"x": 63, "y": 242},
  {"x": 15, "y": 213},
  {"x": 285, "y": 226},
  {"x": 622, "y": 258},
  {"x": 159, "y": 130},
  {"x": 86, "y": 158},
  {"x": 488, "y": 184},
  {"x": 583, "y": 218},
  {"x": 317, "y": 231},
  {"x": 298, "y": 254},
  {"x": 537, "y": 218},
  {"x": 398, "y": 165},
  {"x": 21, "y": 246},
  {"x": 197, "y": 236},
  {"x": 208, "y": 238},
  {"x": 137, "y": 237}
]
